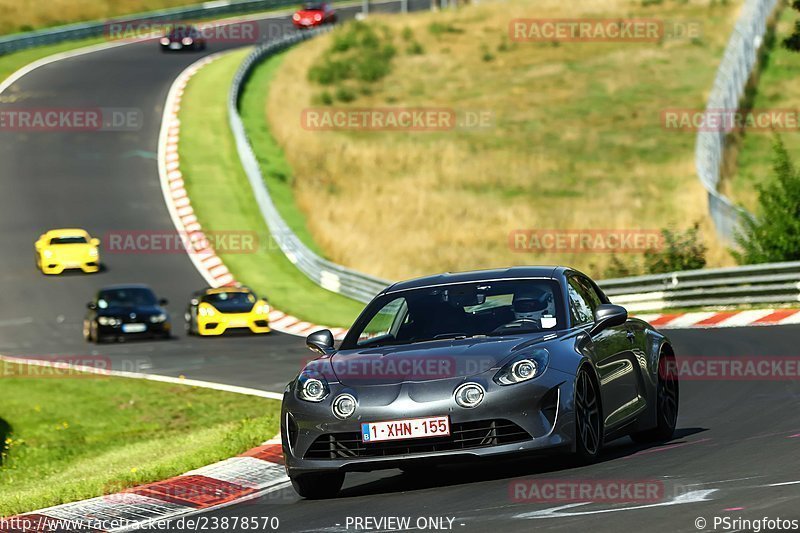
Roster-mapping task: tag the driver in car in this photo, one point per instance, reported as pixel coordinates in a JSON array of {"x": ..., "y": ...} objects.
[{"x": 531, "y": 304}]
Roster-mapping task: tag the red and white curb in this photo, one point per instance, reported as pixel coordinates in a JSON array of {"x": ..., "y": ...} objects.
[
  {"x": 204, "y": 258},
  {"x": 723, "y": 319},
  {"x": 235, "y": 480},
  {"x": 238, "y": 479}
]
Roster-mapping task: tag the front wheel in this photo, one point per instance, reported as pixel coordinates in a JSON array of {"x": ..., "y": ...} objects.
[
  {"x": 667, "y": 396},
  {"x": 588, "y": 418},
  {"x": 318, "y": 486}
]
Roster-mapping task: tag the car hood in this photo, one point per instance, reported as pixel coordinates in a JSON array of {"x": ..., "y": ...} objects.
[
  {"x": 125, "y": 311},
  {"x": 71, "y": 252},
  {"x": 309, "y": 13},
  {"x": 429, "y": 361}
]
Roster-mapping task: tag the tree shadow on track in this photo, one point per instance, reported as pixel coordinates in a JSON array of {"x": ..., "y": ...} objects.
[
  {"x": 510, "y": 468},
  {"x": 5, "y": 431}
]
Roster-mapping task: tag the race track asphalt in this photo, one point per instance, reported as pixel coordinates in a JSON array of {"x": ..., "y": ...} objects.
[{"x": 735, "y": 438}]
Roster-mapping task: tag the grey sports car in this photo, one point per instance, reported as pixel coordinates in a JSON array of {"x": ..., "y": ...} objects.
[{"x": 476, "y": 364}]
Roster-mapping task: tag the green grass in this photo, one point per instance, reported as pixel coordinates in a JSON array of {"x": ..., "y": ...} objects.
[
  {"x": 776, "y": 89},
  {"x": 223, "y": 200},
  {"x": 274, "y": 167},
  {"x": 10, "y": 63},
  {"x": 70, "y": 438}
]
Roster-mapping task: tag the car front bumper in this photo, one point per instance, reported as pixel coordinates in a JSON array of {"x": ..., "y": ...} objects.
[
  {"x": 158, "y": 329},
  {"x": 222, "y": 322},
  {"x": 540, "y": 413},
  {"x": 57, "y": 267}
]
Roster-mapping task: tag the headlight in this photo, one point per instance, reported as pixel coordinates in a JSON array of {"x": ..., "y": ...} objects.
[
  {"x": 207, "y": 311},
  {"x": 312, "y": 389},
  {"x": 187, "y": 41},
  {"x": 48, "y": 254},
  {"x": 344, "y": 406},
  {"x": 161, "y": 317},
  {"x": 469, "y": 395},
  {"x": 296, "y": 16},
  {"x": 262, "y": 309},
  {"x": 523, "y": 367},
  {"x": 164, "y": 41},
  {"x": 93, "y": 252},
  {"x": 317, "y": 17},
  {"x": 108, "y": 321}
]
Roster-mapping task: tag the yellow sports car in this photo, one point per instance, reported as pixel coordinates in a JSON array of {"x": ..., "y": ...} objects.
[
  {"x": 67, "y": 249},
  {"x": 215, "y": 311}
]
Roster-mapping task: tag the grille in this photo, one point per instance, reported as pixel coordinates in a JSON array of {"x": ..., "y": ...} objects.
[{"x": 463, "y": 436}]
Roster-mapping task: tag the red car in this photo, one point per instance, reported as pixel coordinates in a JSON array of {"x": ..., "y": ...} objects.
[{"x": 313, "y": 14}]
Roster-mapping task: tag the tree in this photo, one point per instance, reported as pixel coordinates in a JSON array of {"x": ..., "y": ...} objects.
[
  {"x": 792, "y": 42},
  {"x": 774, "y": 235},
  {"x": 681, "y": 250}
]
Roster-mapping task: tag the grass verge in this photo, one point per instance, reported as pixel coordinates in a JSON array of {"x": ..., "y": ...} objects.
[
  {"x": 223, "y": 201},
  {"x": 775, "y": 90},
  {"x": 575, "y": 141},
  {"x": 18, "y": 16},
  {"x": 79, "y": 436},
  {"x": 10, "y": 63}
]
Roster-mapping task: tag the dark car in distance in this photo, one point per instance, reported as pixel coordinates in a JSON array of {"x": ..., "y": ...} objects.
[
  {"x": 471, "y": 365},
  {"x": 123, "y": 311},
  {"x": 182, "y": 37}
]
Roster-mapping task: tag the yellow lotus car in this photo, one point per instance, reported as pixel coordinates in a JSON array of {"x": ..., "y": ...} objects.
[
  {"x": 215, "y": 311},
  {"x": 67, "y": 249}
]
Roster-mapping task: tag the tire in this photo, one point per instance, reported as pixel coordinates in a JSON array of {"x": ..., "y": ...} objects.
[
  {"x": 318, "y": 486},
  {"x": 588, "y": 418},
  {"x": 667, "y": 401}
]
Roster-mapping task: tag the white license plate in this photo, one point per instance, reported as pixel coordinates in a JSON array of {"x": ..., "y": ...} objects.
[
  {"x": 237, "y": 323},
  {"x": 174, "y": 46},
  {"x": 412, "y": 428},
  {"x": 133, "y": 328}
]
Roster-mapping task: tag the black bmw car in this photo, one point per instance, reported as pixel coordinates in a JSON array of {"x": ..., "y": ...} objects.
[
  {"x": 182, "y": 37},
  {"x": 123, "y": 311},
  {"x": 476, "y": 364}
]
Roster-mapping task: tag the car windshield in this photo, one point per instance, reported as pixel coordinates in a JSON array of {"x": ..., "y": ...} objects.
[
  {"x": 463, "y": 310},
  {"x": 231, "y": 301},
  {"x": 68, "y": 240},
  {"x": 312, "y": 7},
  {"x": 126, "y": 297}
]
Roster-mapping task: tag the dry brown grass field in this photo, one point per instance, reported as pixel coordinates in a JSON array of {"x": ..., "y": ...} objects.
[
  {"x": 23, "y": 15},
  {"x": 576, "y": 139}
]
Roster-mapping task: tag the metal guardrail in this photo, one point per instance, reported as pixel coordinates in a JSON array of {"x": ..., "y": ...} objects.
[
  {"x": 768, "y": 283},
  {"x": 741, "y": 56},
  {"x": 328, "y": 275},
  {"x": 84, "y": 30}
]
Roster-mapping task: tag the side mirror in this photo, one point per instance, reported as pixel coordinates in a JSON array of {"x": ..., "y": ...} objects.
[
  {"x": 607, "y": 316},
  {"x": 320, "y": 342},
  {"x": 95, "y": 242},
  {"x": 163, "y": 301},
  {"x": 194, "y": 301},
  {"x": 92, "y": 306}
]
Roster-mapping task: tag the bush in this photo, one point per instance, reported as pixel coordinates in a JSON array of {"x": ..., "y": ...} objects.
[
  {"x": 775, "y": 234},
  {"x": 681, "y": 250},
  {"x": 344, "y": 94},
  {"x": 439, "y": 28},
  {"x": 415, "y": 49}
]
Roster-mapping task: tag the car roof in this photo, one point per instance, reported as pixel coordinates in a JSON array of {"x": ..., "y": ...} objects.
[
  {"x": 220, "y": 290},
  {"x": 67, "y": 232},
  {"x": 126, "y": 286},
  {"x": 480, "y": 275}
]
